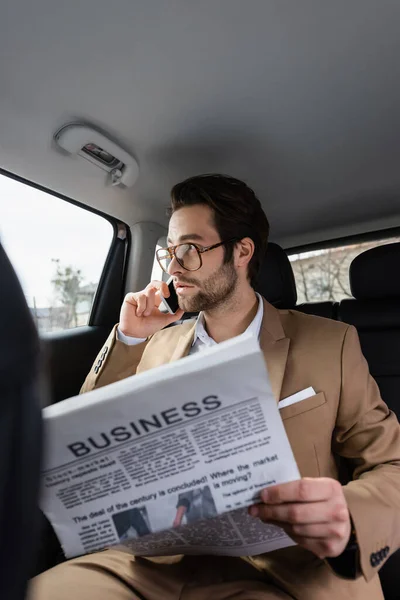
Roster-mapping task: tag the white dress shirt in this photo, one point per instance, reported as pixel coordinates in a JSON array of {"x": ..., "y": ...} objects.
[{"x": 201, "y": 339}]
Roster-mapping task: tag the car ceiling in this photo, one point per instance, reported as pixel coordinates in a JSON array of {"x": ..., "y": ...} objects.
[{"x": 300, "y": 99}]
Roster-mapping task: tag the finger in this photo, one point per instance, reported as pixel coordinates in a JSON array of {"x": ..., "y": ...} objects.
[
  {"x": 161, "y": 290},
  {"x": 160, "y": 286},
  {"x": 307, "y": 489},
  {"x": 321, "y": 547},
  {"x": 141, "y": 304},
  {"x": 130, "y": 298},
  {"x": 150, "y": 294},
  {"x": 301, "y": 512},
  {"x": 336, "y": 531},
  {"x": 164, "y": 319}
]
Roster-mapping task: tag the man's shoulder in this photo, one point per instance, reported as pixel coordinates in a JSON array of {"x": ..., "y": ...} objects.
[{"x": 294, "y": 321}]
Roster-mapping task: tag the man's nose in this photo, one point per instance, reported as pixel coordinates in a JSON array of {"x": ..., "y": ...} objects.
[{"x": 174, "y": 268}]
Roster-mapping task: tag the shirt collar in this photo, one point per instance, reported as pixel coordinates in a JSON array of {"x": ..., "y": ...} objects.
[{"x": 201, "y": 336}]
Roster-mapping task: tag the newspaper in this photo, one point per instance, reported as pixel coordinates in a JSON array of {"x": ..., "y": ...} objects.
[{"x": 167, "y": 461}]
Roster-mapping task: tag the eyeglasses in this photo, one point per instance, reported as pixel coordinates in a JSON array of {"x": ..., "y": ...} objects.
[{"x": 187, "y": 255}]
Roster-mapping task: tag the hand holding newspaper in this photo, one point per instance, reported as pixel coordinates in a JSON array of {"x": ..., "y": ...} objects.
[{"x": 167, "y": 461}]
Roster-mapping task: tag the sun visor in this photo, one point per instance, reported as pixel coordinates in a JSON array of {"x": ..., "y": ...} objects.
[{"x": 93, "y": 145}]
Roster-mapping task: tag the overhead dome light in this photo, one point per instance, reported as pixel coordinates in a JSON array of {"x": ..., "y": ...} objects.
[{"x": 92, "y": 145}]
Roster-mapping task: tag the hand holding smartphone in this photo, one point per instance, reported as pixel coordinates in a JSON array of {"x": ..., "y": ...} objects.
[{"x": 141, "y": 316}]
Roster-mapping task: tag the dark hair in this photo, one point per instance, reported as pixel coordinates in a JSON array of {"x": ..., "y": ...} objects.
[{"x": 237, "y": 212}]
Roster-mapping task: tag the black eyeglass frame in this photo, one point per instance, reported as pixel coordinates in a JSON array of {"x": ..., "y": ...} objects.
[{"x": 200, "y": 250}]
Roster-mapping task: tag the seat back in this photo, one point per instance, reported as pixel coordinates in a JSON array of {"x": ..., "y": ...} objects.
[
  {"x": 375, "y": 312},
  {"x": 277, "y": 284},
  {"x": 276, "y": 279},
  {"x": 326, "y": 309},
  {"x": 20, "y": 435}
]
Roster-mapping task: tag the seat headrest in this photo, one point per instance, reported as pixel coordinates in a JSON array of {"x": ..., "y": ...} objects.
[
  {"x": 374, "y": 274},
  {"x": 276, "y": 279}
]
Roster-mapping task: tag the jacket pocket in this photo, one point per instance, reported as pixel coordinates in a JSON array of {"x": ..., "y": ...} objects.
[{"x": 303, "y": 406}]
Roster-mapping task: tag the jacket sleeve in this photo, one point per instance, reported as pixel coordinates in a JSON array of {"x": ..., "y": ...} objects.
[
  {"x": 115, "y": 361},
  {"x": 367, "y": 435}
]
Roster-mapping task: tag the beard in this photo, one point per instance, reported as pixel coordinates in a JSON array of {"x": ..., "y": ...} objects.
[{"x": 214, "y": 292}]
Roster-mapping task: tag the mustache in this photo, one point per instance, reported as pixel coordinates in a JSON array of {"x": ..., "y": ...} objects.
[{"x": 187, "y": 281}]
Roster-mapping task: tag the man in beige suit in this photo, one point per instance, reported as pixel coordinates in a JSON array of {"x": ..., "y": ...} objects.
[{"x": 344, "y": 513}]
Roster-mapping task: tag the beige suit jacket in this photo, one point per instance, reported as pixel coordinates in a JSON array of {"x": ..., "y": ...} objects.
[{"x": 344, "y": 428}]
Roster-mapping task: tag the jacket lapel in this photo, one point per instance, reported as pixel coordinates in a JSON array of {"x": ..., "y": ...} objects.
[
  {"x": 184, "y": 342},
  {"x": 273, "y": 342},
  {"x": 275, "y": 347}
]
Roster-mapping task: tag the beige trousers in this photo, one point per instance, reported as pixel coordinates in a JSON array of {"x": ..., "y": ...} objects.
[{"x": 117, "y": 575}]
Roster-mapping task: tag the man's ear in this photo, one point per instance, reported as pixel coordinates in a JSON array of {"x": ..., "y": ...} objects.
[{"x": 244, "y": 251}]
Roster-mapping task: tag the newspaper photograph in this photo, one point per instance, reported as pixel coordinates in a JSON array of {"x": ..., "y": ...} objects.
[{"x": 167, "y": 461}]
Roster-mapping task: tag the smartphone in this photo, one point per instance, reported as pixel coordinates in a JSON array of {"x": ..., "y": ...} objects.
[{"x": 171, "y": 304}]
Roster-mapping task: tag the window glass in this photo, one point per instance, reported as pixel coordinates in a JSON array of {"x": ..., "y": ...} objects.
[
  {"x": 324, "y": 274},
  {"x": 58, "y": 251},
  {"x": 157, "y": 274}
]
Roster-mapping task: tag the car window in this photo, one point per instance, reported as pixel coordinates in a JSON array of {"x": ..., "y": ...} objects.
[
  {"x": 157, "y": 274},
  {"x": 58, "y": 251},
  {"x": 324, "y": 274}
]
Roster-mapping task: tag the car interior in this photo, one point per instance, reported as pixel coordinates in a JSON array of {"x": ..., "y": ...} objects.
[{"x": 105, "y": 106}]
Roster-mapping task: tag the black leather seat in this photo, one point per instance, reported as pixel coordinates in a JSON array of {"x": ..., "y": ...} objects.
[
  {"x": 20, "y": 435},
  {"x": 375, "y": 312},
  {"x": 276, "y": 279},
  {"x": 277, "y": 284},
  {"x": 326, "y": 309}
]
